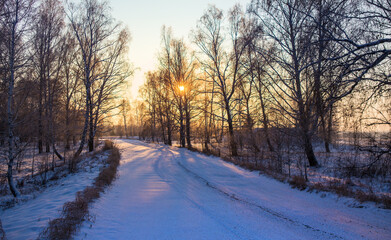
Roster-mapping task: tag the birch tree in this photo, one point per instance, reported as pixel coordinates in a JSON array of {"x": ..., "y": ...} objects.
[
  {"x": 101, "y": 46},
  {"x": 48, "y": 60},
  {"x": 15, "y": 24}
]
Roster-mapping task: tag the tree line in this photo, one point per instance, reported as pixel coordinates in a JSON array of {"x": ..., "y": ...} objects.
[
  {"x": 250, "y": 79},
  {"x": 61, "y": 66}
]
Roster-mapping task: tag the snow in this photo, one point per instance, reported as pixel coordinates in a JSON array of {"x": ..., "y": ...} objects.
[
  {"x": 27, "y": 219},
  {"x": 170, "y": 193}
]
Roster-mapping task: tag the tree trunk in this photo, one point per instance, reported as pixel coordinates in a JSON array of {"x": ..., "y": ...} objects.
[
  {"x": 188, "y": 138},
  {"x": 309, "y": 151},
  {"x": 182, "y": 131},
  {"x": 126, "y": 130},
  {"x": 52, "y": 130},
  {"x": 169, "y": 137},
  {"x": 91, "y": 129},
  {"x": 85, "y": 128},
  {"x": 318, "y": 75},
  {"x": 206, "y": 139},
  {"x": 162, "y": 127},
  {"x": 325, "y": 134},
  {"x": 10, "y": 113},
  {"x": 47, "y": 145},
  {"x": 232, "y": 142},
  {"x": 265, "y": 122},
  {"x": 181, "y": 125},
  {"x": 330, "y": 125},
  {"x": 40, "y": 127},
  {"x": 67, "y": 131},
  {"x": 303, "y": 117},
  {"x": 90, "y": 141},
  {"x": 11, "y": 156}
]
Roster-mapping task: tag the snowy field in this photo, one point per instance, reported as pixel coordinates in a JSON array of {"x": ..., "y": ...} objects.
[
  {"x": 345, "y": 166},
  {"x": 168, "y": 193}
]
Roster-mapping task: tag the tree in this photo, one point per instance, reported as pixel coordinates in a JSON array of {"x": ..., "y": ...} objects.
[
  {"x": 124, "y": 110},
  {"x": 182, "y": 86},
  {"x": 15, "y": 20},
  {"x": 71, "y": 75},
  {"x": 49, "y": 60},
  {"x": 101, "y": 47},
  {"x": 286, "y": 23},
  {"x": 258, "y": 62},
  {"x": 223, "y": 67},
  {"x": 177, "y": 65}
]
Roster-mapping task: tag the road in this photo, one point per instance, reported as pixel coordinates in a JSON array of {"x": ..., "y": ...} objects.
[{"x": 164, "y": 192}]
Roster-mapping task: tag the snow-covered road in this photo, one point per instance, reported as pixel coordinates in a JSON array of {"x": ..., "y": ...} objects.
[{"x": 169, "y": 193}]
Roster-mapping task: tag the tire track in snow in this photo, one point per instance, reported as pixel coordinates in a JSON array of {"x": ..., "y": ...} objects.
[
  {"x": 243, "y": 201},
  {"x": 162, "y": 174}
]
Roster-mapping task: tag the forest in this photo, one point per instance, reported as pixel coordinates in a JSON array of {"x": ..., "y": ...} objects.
[
  {"x": 62, "y": 65},
  {"x": 297, "y": 89}
]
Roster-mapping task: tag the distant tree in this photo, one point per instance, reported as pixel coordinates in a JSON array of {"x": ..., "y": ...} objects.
[
  {"x": 223, "y": 67},
  {"x": 177, "y": 66},
  {"x": 124, "y": 110}
]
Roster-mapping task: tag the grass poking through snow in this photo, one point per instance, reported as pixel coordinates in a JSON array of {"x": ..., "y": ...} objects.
[{"x": 75, "y": 212}]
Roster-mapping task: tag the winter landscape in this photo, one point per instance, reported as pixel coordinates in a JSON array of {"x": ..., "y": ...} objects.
[{"x": 206, "y": 119}]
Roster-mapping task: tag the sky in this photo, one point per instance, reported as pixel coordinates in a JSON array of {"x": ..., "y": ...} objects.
[{"x": 145, "y": 18}]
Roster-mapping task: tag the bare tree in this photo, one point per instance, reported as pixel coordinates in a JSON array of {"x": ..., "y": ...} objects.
[
  {"x": 124, "y": 109},
  {"x": 286, "y": 24},
  {"x": 49, "y": 48},
  {"x": 177, "y": 65},
  {"x": 71, "y": 75},
  {"x": 15, "y": 22},
  {"x": 223, "y": 67},
  {"x": 258, "y": 61},
  {"x": 101, "y": 45}
]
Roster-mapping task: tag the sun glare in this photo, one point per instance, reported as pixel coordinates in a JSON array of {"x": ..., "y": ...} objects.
[{"x": 181, "y": 88}]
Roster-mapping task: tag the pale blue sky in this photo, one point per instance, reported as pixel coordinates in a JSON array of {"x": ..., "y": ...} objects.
[{"x": 145, "y": 18}]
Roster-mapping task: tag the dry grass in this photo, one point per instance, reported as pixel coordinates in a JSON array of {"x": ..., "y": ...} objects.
[
  {"x": 298, "y": 182},
  {"x": 108, "y": 145},
  {"x": 75, "y": 212},
  {"x": 371, "y": 197},
  {"x": 341, "y": 188},
  {"x": 107, "y": 175}
]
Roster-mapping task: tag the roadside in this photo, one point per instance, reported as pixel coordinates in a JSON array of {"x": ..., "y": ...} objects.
[
  {"x": 75, "y": 212},
  {"x": 27, "y": 217},
  {"x": 342, "y": 171}
]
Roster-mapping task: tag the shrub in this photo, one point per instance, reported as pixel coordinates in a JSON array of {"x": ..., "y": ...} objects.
[
  {"x": 108, "y": 145},
  {"x": 298, "y": 182}
]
